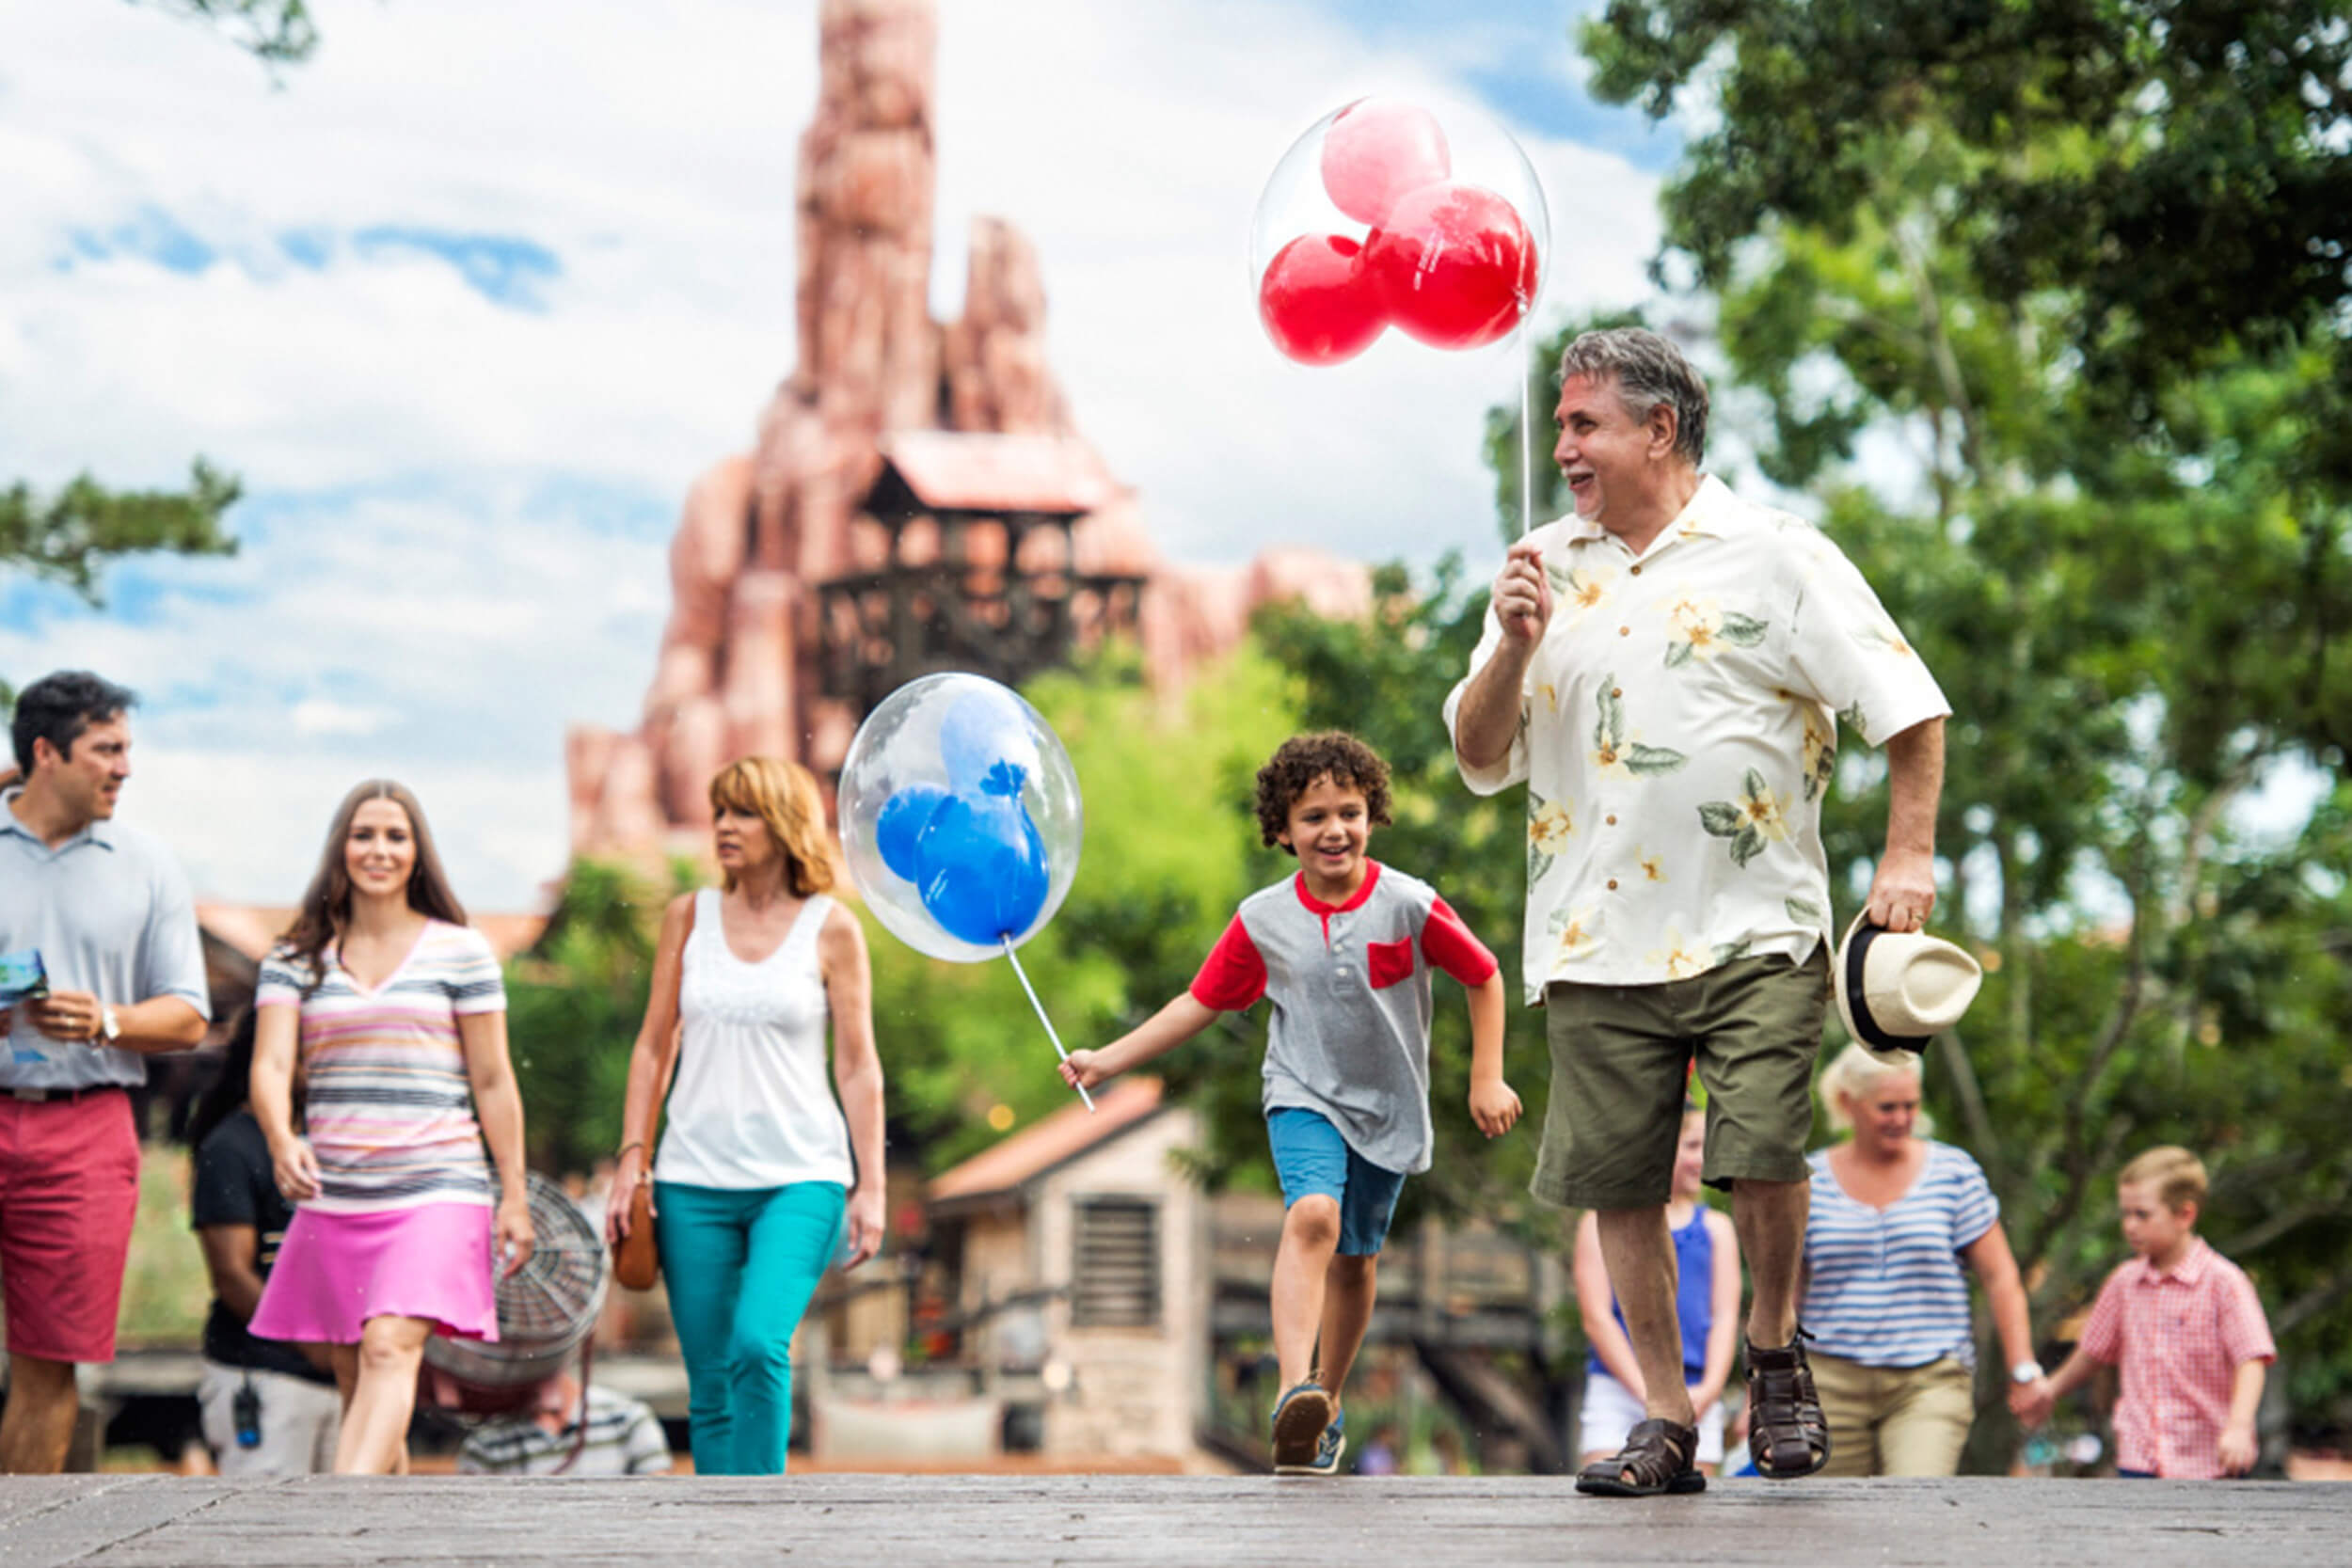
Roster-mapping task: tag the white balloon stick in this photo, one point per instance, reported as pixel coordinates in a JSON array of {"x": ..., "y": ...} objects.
[
  {"x": 1041, "y": 1016},
  {"x": 1526, "y": 441}
]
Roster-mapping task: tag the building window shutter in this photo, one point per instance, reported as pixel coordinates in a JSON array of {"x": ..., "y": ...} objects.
[{"x": 1115, "y": 1281}]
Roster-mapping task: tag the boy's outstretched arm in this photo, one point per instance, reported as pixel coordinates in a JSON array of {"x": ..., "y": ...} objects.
[
  {"x": 2042, "y": 1396},
  {"x": 1493, "y": 1105},
  {"x": 1164, "y": 1030}
]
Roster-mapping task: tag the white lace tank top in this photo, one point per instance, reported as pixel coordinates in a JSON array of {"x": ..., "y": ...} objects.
[{"x": 752, "y": 1105}]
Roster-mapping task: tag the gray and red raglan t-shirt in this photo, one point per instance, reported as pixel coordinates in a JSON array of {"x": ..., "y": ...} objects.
[{"x": 1350, "y": 987}]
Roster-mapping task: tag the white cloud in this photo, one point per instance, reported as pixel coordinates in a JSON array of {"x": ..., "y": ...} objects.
[
  {"x": 453, "y": 544},
  {"x": 319, "y": 716}
]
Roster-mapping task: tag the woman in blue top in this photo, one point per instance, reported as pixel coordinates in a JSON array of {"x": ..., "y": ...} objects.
[
  {"x": 1707, "y": 1301},
  {"x": 1894, "y": 1216}
]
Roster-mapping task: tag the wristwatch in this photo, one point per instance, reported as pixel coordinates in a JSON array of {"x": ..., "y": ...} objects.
[
  {"x": 2025, "y": 1371},
  {"x": 109, "y": 1027}
]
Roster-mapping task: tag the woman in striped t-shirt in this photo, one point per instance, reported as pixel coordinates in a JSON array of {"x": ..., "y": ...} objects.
[
  {"x": 1893, "y": 1217},
  {"x": 396, "y": 1010}
]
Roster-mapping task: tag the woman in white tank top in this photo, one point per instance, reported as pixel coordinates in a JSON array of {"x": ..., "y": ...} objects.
[{"x": 760, "y": 1173}]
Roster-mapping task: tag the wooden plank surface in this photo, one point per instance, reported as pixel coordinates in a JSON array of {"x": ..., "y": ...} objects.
[{"x": 1134, "y": 1521}]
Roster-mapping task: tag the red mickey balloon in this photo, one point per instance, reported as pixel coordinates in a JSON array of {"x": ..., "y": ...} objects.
[
  {"x": 1454, "y": 265},
  {"x": 1317, "y": 305},
  {"x": 1375, "y": 150}
]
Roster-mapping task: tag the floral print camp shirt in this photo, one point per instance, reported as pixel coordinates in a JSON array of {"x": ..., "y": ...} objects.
[{"x": 1677, "y": 728}]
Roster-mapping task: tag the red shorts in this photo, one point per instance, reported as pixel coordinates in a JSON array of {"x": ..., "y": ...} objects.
[{"x": 69, "y": 1191}]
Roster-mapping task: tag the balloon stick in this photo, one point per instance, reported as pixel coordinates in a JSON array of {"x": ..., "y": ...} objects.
[
  {"x": 1040, "y": 1014},
  {"x": 1527, "y": 443}
]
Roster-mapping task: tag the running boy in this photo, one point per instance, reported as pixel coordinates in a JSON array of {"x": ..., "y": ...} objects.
[
  {"x": 1345, "y": 949},
  {"x": 2185, "y": 1327}
]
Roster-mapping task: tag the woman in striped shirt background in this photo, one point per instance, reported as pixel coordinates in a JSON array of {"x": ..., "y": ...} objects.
[
  {"x": 398, "y": 1013},
  {"x": 1894, "y": 1216}
]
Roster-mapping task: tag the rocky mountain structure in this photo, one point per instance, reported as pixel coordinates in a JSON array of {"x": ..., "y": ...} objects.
[{"x": 906, "y": 468}]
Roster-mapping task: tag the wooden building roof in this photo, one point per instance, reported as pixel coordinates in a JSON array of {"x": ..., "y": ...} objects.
[
  {"x": 946, "y": 470},
  {"x": 1005, "y": 1166}
]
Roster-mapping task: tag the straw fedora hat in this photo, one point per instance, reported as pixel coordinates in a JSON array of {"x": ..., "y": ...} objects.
[{"x": 1897, "y": 990}]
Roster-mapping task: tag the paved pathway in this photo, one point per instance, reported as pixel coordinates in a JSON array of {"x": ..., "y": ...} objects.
[{"x": 1036, "y": 1522}]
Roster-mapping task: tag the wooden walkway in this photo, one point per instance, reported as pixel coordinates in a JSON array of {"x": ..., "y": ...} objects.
[{"x": 1146, "y": 1522}]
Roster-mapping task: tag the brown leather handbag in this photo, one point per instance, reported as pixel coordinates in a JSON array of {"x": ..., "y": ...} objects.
[{"x": 636, "y": 1262}]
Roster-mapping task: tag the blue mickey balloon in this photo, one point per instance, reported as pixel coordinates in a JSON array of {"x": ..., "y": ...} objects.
[
  {"x": 981, "y": 869},
  {"x": 984, "y": 741},
  {"x": 900, "y": 823}
]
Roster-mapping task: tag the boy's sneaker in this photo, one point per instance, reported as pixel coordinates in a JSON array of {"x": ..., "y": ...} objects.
[{"x": 1300, "y": 1418}]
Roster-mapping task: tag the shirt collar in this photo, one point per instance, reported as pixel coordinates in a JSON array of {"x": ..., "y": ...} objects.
[
  {"x": 2190, "y": 1269},
  {"x": 1356, "y": 901},
  {"x": 99, "y": 831},
  {"x": 1713, "y": 510}
]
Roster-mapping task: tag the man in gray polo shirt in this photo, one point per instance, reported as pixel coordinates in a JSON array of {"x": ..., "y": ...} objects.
[{"x": 108, "y": 912}]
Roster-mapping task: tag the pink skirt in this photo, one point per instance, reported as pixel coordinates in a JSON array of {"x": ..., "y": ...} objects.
[{"x": 336, "y": 1271}]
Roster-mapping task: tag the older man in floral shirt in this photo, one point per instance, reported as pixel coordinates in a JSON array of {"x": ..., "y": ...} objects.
[{"x": 1664, "y": 670}]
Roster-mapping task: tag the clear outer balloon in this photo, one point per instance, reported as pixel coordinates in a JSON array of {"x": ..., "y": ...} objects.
[
  {"x": 1372, "y": 155},
  {"x": 903, "y": 745}
]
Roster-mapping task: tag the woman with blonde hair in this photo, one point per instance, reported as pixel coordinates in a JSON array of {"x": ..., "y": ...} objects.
[
  {"x": 1894, "y": 1216},
  {"x": 396, "y": 1010},
  {"x": 759, "y": 1172}
]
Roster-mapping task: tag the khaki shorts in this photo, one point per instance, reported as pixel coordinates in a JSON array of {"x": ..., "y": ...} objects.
[
  {"x": 1621, "y": 1058},
  {"x": 1894, "y": 1420}
]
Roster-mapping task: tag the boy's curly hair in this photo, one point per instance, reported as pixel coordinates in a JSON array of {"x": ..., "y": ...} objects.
[{"x": 1299, "y": 761}]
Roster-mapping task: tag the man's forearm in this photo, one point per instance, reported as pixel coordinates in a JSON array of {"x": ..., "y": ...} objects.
[
  {"x": 1489, "y": 719},
  {"x": 159, "y": 1023},
  {"x": 1915, "y": 770}
]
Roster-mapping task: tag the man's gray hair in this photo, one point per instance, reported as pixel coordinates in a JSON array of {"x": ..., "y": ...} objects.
[{"x": 1648, "y": 371}]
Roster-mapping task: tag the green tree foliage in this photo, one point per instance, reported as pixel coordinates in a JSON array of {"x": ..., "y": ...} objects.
[
  {"x": 2178, "y": 168},
  {"x": 573, "y": 1007},
  {"x": 276, "y": 32},
  {"x": 71, "y": 537},
  {"x": 1981, "y": 235}
]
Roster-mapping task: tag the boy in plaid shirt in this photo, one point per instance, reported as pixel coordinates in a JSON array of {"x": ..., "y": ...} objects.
[{"x": 2184, "y": 1325}]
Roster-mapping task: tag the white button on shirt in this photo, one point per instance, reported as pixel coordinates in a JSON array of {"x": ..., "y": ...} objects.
[{"x": 1677, "y": 727}]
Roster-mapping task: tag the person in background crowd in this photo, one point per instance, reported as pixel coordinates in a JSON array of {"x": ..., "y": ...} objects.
[
  {"x": 1707, "y": 1305},
  {"x": 106, "y": 910},
  {"x": 623, "y": 1436},
  {"x": 759, "y": 1172},
  {"x": 269, "y": 1408},
  {"x": 398, "y": 1012},
  {"x": 2184, "y": 1325},
  {"x": 1895, "y": 1215}
]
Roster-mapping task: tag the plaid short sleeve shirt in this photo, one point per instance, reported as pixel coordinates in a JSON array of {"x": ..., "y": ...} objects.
[
  {"x": 2178, "y": 1337},
  {"x": 1677, "y": 728}
]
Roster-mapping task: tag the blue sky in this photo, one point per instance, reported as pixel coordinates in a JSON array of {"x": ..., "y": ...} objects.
[{"x": 469, "y": 300}]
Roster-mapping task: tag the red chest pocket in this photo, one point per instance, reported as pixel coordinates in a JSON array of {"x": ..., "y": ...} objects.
[{"x": 1388, "y": 962}]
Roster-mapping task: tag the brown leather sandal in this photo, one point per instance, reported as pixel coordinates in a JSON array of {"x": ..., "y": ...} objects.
[
  {"x": 1657, "y": 1457},
  {"x": 1787, "y": 1435}
]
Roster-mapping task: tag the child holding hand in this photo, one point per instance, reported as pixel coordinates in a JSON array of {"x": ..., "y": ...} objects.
[{"x": 2185, "y": 1327}]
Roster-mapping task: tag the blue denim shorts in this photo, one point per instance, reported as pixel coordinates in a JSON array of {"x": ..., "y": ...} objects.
[{"x": 1314, "y": 1160}]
